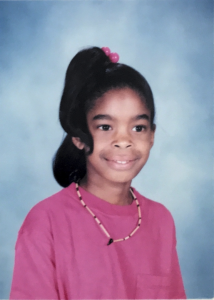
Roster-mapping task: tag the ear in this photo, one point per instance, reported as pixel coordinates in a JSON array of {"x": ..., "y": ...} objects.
[
  {"x": 153, "y": 135},
  {"x": 77, "y": 142}
]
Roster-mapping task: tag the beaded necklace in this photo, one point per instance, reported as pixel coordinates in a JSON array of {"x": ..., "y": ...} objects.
[{"x": 101, "y": 225}]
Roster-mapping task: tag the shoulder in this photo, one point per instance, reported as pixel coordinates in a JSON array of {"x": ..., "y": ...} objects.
[
  {"x": 157, "y": 219},
  {"x": 44, "y": 212},
  {"x": 155, "y": 211}
]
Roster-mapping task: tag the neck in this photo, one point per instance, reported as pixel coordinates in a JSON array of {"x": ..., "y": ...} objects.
[{"x": 114, "y": 193}]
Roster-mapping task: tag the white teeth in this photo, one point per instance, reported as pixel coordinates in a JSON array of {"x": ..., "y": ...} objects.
[{"x": 122, "y": 162}]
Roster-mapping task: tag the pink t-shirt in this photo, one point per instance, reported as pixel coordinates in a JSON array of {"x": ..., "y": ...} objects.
[{"x": 62, "y": 253}]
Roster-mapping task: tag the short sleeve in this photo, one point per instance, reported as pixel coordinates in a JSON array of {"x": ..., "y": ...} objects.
[
  {"x": 177, "y": 287},
  {"x": 34, "y": 275}
]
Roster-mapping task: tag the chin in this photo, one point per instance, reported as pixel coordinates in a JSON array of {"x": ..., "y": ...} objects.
[{"x": 120, "y": 178}]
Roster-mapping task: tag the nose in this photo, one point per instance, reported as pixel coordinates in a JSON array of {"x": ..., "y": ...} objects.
[{"x": 122, "y": 140}]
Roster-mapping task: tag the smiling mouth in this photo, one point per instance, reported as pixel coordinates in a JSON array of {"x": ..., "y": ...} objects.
[{"x": 120, "y": 163}]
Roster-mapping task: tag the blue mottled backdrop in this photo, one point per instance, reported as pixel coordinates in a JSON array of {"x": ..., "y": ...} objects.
[{"x": 171, "y": 43}]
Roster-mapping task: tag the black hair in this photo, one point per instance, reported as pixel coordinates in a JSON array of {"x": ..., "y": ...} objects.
[{"x": 90, "y": 75}]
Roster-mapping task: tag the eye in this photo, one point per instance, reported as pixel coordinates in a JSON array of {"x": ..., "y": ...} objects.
[
  {"x": 104, "y": 127},
  {"x": 139, "y": 128}
]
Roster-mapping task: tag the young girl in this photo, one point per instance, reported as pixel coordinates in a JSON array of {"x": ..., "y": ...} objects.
[{"x": 98, "y": 238}]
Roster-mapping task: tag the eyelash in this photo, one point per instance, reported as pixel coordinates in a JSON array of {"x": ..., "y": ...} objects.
[
  {"x": 142, "y": 127},
  {"x": 104, "y": 125}
]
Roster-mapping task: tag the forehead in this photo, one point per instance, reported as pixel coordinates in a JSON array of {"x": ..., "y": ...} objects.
[{"x": 120, "y": 102}]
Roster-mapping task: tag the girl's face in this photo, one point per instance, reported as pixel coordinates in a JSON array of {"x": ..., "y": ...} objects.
[{"x": 120, "y": 126}]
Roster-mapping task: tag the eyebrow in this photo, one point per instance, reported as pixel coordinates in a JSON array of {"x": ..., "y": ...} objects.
[
  {"x": 102, "y": 117},
  {"x": 108, "y": 117},
  {"x": 140, "y": 117}
]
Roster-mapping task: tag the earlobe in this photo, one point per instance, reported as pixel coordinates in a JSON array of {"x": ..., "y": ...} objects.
[
  {"x": 153, "y": 135},
  {"x": 152, "y": 143},
  {"x": 77, "y": 142}
]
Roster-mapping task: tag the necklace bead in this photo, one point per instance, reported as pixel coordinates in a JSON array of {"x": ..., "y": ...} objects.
[{"x": 110, "y": 241}]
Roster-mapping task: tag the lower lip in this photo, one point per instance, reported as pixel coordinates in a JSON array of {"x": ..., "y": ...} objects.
[{"x": 118, "y": 166}]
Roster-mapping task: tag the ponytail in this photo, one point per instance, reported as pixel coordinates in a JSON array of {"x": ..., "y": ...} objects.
[{"x": 69, "y": 163}]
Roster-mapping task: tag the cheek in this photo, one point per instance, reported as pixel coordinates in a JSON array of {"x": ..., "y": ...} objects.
[
  {"x": 100, "y": 143},
  {"x": 98, "y": 152},
  {"x": 143, "y": 142},
  {"x": 147, "y": 141}
]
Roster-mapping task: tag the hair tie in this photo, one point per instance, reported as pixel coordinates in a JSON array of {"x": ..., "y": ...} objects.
[{"x": 114, "y": 57}]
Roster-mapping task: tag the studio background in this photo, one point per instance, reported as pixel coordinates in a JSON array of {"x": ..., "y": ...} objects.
[{"x": 171, "y": 43}]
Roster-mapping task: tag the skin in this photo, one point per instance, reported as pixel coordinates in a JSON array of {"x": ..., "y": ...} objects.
[{"x": 120, "y": 126}]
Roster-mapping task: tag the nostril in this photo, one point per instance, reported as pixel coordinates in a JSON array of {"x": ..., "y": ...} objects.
[{"x": 122, "y": 146}]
